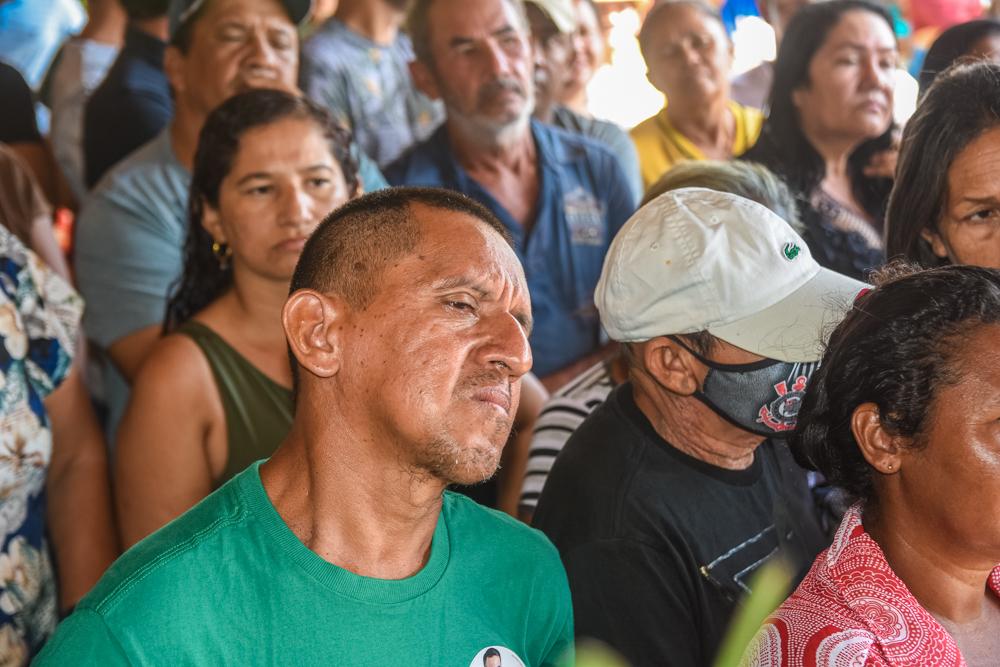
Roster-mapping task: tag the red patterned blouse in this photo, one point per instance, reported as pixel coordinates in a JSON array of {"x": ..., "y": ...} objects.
[{"x": 852, "y": 610}]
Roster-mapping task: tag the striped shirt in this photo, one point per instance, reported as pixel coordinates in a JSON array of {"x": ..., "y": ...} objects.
[{"x": 560, "y": 417}]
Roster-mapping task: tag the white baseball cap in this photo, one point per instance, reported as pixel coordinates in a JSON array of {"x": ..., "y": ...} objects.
[
  {"x": 699, "y": 260},
  {"x": 561, "y": 12}
]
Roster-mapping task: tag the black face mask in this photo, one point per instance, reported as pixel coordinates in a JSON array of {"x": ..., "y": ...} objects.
[{"x": 762, "y": 397}]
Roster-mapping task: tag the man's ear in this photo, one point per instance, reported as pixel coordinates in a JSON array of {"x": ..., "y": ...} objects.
[
  {"x": 312, "y": 323},
  {"x": 883, "y": 450},
  {"x": 173, "y": 67},
  {"x": 671, "y": 365},
  {"x": 424, "y": 79}
]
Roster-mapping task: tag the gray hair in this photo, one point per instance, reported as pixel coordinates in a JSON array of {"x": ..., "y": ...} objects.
[
  {"x": 418, "y": 27},
  {"x": 745, "y": 179}
]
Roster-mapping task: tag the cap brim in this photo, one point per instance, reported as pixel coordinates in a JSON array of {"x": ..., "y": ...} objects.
[{"x": 796, "y": 328}]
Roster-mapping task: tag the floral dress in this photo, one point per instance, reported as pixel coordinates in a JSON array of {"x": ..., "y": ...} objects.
[{"x": 39, "y": 322}]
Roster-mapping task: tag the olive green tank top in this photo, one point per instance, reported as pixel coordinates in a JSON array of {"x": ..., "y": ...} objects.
[{"x": 258, "y": 410}]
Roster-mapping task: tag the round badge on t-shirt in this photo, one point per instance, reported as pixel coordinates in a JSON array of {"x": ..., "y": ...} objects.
[{"x": 496, "y": 656}]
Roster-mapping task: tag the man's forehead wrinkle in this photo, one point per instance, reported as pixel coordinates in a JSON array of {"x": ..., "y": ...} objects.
[
  {"x": 473, "y": 282},
  {"x": 503, "y": 19}
]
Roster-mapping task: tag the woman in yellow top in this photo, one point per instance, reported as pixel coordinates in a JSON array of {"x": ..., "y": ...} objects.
[{"x": 688, "y": 58}]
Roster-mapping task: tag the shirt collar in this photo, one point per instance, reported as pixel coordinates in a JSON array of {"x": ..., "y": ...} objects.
[{"x": 880, "y": 601}]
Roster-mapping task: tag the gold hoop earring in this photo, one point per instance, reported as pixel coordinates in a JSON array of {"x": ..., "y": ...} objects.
[{"x": 222, "y": 253}]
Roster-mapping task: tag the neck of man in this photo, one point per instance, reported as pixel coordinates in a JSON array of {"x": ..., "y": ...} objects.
[
  {"x": 105, "y": 23},
  {"x": 691, "y": 427},
  {"x": 155, "y": 27},
  {"x": 510, "y": 148},
  {"x": 347, "y": 497},
  {"x": 377, "y": 20},
  {"x": 184, "y": 130},
  {"x": 545, "y": 109},
  {"x": 706, "y": 122},
  {"x": 949, "y": 579}
]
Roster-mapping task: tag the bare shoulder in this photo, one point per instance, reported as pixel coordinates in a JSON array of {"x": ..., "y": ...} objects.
[{"x": 177, "y": 367}]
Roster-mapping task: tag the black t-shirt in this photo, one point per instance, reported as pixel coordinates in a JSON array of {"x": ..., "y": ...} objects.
[
  {"x": 659, "y": 547},
  {"x": 17, "y": 118},
  {"x": 130, "y": 107}
]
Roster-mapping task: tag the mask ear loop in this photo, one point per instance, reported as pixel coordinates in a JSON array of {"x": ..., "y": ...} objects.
[{"x": 728, "y": 368}]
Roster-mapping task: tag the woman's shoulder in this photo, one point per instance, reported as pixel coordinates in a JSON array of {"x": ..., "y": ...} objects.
[
  {"x": 795, "y": 636},
  {"x": 816, "y": 625},
  {"x": 178, "y": 362}
]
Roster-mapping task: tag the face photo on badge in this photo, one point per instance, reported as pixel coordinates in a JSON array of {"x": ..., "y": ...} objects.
[{"x": 496, "y": 656}]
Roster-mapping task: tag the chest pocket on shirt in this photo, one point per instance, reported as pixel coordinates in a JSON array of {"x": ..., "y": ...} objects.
[{"x": 585, "y": 217}]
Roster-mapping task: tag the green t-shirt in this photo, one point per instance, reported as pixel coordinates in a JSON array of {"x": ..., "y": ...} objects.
[{"x": 229, "y": 584}]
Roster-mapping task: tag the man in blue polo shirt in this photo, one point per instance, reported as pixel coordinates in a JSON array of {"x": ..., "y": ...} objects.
[{"x": 561, "y": 196}]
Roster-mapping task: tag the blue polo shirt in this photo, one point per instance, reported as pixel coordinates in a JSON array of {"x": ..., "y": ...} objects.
[{"x": 583, "y": 200}]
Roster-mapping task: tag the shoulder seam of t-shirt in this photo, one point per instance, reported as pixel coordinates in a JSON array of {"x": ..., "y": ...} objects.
[{"x": 139, "y": 574}]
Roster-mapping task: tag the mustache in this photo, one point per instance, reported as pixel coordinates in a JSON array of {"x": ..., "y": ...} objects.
[
  {"x": 488, "y": 379},
  {"x": 494, "y": 88}
]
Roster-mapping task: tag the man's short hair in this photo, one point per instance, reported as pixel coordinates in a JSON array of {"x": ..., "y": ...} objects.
[
  {"x": 351, "y": 248},
  {"x": 419, "y": 29},
  {"x": 491, "y": 653}
]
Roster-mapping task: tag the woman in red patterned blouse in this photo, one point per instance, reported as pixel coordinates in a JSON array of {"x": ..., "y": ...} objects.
[{"x": 904, "y": 414}]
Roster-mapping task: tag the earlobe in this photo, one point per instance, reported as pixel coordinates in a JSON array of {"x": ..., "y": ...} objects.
[
  {"x": 311, "y": 321},
  {"x": 881, "y": 449},
  {"x": 212, "y": 223}
]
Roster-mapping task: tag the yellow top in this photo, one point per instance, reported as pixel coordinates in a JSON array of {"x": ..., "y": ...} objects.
[{"x": 660, "y": 145}]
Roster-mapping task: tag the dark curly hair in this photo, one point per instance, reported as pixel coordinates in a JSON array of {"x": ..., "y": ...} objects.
[
  {"x": 896, "y": 348},
  {"x": 783, "y": 147},
  {"x": 933, "y": 138},
  {"x": 203, "y": 280}
]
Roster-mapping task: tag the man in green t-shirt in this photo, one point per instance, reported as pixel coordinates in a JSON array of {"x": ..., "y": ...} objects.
[{"x": 407, "y": 324}]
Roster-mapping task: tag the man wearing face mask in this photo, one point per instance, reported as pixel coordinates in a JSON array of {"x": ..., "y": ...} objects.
[{"x": 671, "y": 495}]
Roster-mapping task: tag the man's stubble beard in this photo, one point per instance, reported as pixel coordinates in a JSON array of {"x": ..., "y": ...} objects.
[
  {"x": 449, "y": 461},
  {"x": 488, "y": 131}
]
